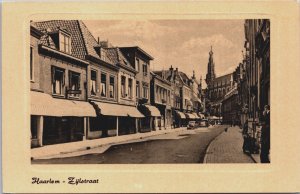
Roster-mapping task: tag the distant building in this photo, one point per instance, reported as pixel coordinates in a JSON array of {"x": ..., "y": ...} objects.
[{"x": 217, "y": 87}]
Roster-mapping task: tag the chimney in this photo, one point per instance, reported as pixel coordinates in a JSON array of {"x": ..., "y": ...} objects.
[
  {"x": 98, "y": 40},
  {"x": 104, "y": 44}
]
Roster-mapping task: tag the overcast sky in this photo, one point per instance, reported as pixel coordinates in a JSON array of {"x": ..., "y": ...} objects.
[{"x": 181, "y": 43}]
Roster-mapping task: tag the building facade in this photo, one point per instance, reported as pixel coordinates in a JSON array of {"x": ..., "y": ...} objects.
[
  {"x": 257, "y": 59},
  {"x": 140, "y": 61},
  {"x": 59, "y": 111},
  {"x": 86, "y": 89},
  {"x": 217, "y": 87},
  {"x": 161, "y": 91}
]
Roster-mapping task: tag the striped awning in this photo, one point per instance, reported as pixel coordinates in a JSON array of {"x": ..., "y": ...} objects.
[
  {"x": 180, "y": 114},
  {"x": 109, "y": 109},
  {"x": 45, "y": 105},
  {"x": 196, "y": 116},
  {"x": 153, "y": 111},
  {"x": 201, "y": 115},
  {"x": 190, "y": 116}
]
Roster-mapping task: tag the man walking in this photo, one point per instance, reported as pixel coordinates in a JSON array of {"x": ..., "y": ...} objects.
[{"x": 265, "y": 136}]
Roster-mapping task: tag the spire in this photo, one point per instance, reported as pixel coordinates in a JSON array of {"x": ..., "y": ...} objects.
[{"x": 210, "y": 76}]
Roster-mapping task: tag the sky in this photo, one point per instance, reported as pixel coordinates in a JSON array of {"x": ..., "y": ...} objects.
[{"x": 184, "y": 44}]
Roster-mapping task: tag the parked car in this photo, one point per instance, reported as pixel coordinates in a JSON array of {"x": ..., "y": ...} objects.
[
  {"x": 191, "y": 125},
  {"x": 204, "y": 123}
]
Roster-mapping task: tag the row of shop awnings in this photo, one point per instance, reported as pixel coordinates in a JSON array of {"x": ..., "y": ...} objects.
[
  {"x": 117, "y": 110},
  {"x": 45, "y": 105},
  {"x": 189, "y": 115}
]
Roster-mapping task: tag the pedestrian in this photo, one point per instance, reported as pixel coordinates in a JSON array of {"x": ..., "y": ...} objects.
[
  {"x": 265, "y": 136},
  {"x": 246, "y": 137}
]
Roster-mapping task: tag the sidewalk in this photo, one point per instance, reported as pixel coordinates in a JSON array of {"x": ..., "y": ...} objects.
[
  {"x": 51, "y": 151},
  {"x": 227, "y": 148}
]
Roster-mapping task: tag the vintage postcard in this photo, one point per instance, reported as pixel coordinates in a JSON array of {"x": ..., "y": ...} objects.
[{"x": 150, "y": 97}]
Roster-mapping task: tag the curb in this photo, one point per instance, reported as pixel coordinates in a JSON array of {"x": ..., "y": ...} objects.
[
  {"x": 208, "y": 147},
  {"x": 87, "y": 147}
]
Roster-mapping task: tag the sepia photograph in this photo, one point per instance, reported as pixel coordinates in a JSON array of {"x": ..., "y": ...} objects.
[{"x": 150, "y": 91}]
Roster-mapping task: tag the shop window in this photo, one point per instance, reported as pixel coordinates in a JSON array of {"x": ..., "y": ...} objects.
[
  {"x": 64, "y": 43},
  {"x": 58, "y": 80},
  {"x": 74, "y": 82},
  {"x": 130, "y": 88},
  {"x": 103, "y": 84},
  {"x": 112, "y": 87},
  {"x": 137, "y": 89},
  {"x": 93, "y": 83},
  {"x": 31, "y": 63},
  {"x": 103, "y": 123},
  {"x": 123, "y": 86}
]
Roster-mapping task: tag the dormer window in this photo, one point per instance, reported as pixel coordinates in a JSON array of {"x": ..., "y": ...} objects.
[{"x": 64, "y": 42}]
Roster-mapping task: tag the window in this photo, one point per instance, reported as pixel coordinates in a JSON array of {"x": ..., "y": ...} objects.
[
  {"x": 74, "y": 82},
  {"x": 123, "y": 86},
  {"x": 169, "y": 97},
  {"x": 145, "y": 92},
  {"x": 112, "y": 87},
  {"x": 137, "y": 89},
  {"x": 31, "y": 63},
  {"x": 93, "y": 82},
  {"x": 64, "y": 43},
  {"x": 145, "y": 70},
  {"x": 130, "y": 88},
  {"x": 103, "y": 84},
  {"x": 137, "y": 65},
  {"x": 58, "y": 78}
]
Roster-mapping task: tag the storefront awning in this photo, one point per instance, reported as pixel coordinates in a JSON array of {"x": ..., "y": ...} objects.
[
  {"x": 201, "y": 115},
  {"x": 45, "y": 105},
  {"x": 180, "y": 114},
  {"x": 196, "y": 116},
  {"x": 190, "y": 116},
  {"x": 153, "y": 111},
  {"x": 108, "y": 109}
]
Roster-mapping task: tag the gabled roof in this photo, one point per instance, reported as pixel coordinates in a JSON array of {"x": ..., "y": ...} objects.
[
  {"x": 117, "y": 57},
  {"x": 184, "y": 77},
  {"x": 82, "y": 41}
]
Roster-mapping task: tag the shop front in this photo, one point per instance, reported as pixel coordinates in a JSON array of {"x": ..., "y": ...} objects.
[
  {"x": 180, "y": 119},
  {"x": 190, "y": 117},
  {"x": 152, "y": 119},
  {"x": 114, "y": 120},
  {"x": 55, "y": 121}
]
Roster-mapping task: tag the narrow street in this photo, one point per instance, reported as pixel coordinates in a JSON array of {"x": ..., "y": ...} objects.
[{"x": 188, "y": 146}]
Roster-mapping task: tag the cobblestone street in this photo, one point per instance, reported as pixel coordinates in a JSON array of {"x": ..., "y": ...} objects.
[{"x": 227, "y": 148}]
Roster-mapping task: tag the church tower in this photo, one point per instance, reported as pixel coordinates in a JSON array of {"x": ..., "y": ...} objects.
[{"x": 210, "y": 76}]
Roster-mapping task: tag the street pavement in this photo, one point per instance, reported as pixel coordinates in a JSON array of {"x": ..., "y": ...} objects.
[
  {"x": 227, "y": 148},
  {"x": 185, "y": 146}
]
